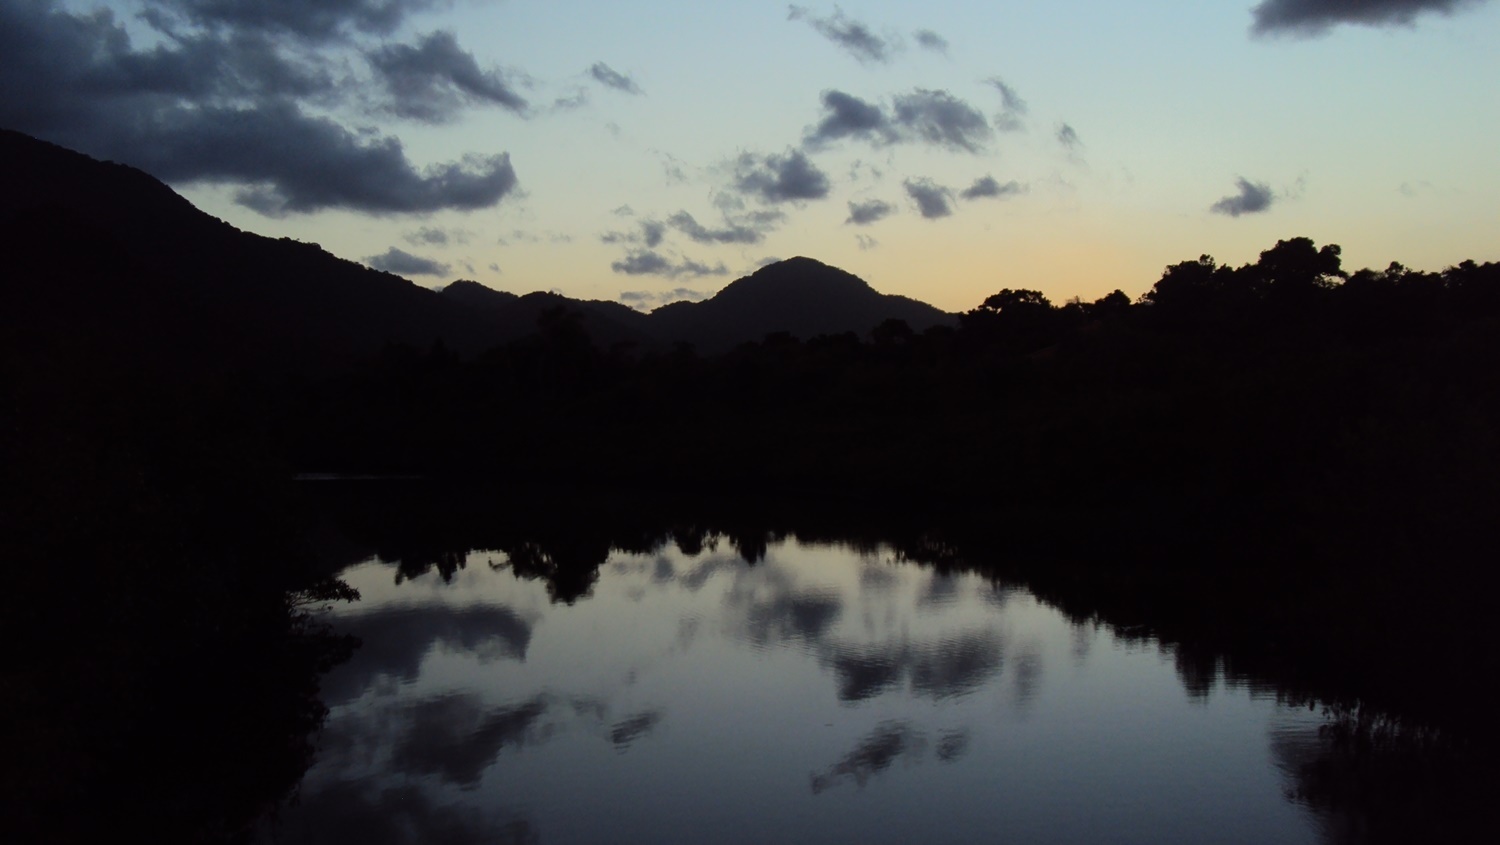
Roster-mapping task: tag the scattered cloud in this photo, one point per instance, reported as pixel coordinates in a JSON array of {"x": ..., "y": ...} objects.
[
  {"x": 645, "y": 300},
  {"x": 649, "y": 262},
  {"x": 932, "y": 117},
  {"x": 780, "y": 178},
  {"x": 403, "y": 263},
  {"x": 929, "y": 40},
  {"x": 933, "y": 200},
  {"x": 988, "y": 187},
  {"x": 869, "y": 211},
  {"x": 433, "y": 80},
  {"x": 866, "y": 242},
  {"x": 732, "y": 234},
  {"x": 610, "y": 78},
  {"x": 1068, "y": 137},
  {"x": 940, "y": 118},
  {"x": 1316, "y": 17},
  {"x": 847, "y": 116},
  {"x": 1012, "y": 108},
  {"x": 853, "y": 36},
  {"x": 426, "y": 236},
  {"x": 1253, "y": 198}
]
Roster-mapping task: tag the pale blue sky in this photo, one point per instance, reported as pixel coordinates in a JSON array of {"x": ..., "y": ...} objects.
[{"x": 1376, "y": 133}]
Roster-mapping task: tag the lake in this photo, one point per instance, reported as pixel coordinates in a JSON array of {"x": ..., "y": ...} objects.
[{"x": 824, "y": 692}]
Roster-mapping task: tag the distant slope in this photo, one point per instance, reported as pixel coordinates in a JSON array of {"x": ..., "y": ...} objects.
[
  {"x": 799, "y": 295},
  {"x": 103, "y": 257},
  {"x": 92, "y": 243}
]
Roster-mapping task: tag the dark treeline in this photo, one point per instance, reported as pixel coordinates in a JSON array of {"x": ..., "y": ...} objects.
[{"x": 1283, "y": 399}]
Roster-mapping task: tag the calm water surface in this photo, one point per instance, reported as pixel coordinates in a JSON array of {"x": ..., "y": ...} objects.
[{"x": 822, "y": 694}]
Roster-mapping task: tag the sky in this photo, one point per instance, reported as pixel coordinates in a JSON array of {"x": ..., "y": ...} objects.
[{"x": 652, "y": 151}]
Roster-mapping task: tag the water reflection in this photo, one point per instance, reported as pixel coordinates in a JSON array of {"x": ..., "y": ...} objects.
[{"x": 817, "y": 693}]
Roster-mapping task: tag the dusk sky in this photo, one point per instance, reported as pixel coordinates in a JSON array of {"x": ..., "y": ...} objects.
[{"x": 648, "y": 151}]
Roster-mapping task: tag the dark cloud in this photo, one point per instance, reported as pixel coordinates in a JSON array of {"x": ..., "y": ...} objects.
[
  {"x": 610, "y": 78},
  {"x": 851, "y": 35},
  {"x": 403, "y": 263},
  {"x": 929, "y": 40},
  {"x": 732, "y": 234},
  {"x": 627, "y": 731},
  {"x": 1253, "y": 198},
  {"x": 1068, "y": 137},
  {"x": 933, "y": 117},
  {"x": 869, "y": 211},
  {"x": 1315, "y": 17},
  {"x": 455, "y": 738},
  {"x": 651, "y": 234},
  {"x": 850, "y": 117},
  {"x": 427, "y": 235},
  {"x": 875, "y": 753},
  {"x": 940, "y": 118},
  {"x": 393, "y": 643},
  {"x": 1012, "y": 108},
  {"x": 780, "y": 178},
  {"x": 933, "y": 200},
  {"x": 649, "y": 262},
  {"x": 433, "y": 80},
  {"x": 322, "y": 20},
  {"x": 987, "y": 186},
  {"x": 221, "y": 106},
  {"x": 946, "y": 669}
]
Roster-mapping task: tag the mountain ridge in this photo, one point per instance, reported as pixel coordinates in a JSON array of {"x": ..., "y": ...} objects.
[{"x": 218, "y": 296}]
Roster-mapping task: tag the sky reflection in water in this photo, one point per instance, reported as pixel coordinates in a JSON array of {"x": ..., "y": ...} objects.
[{"x": 818, "y": 695}]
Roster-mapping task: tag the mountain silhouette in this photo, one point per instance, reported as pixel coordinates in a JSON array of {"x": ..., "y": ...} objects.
[
  {"x": 106, "y": 256},
  {"x": 800, "y": 296}
]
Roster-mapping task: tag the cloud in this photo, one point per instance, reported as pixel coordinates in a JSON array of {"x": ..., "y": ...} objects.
[
  {"x": 627, "y": 731},
  {"x": 294, "y": 163},
  {"x": 403, "y": 263},
  {"x": 865, "y": 213},
  {"x": 1012, "y": 108},
  {"x": 642, "y": 300},
  {"x": 652, "y": 263},
  {"x": 1315, "y": 17},
  {"x": 321, "y": 21},
  {"x": 933, "y": 117},
  {"x": 733, "y": 234},
  {"x": 1068, "y": 137},
  {"x": 933, "y": 200},
  {"x": 987, "y": 186},
  {"x": 851, "y": 35},
  {"x": 1253, "y": 198},
  {"x": 433, "y": 80},
  {"x": 929, "y": 40},
  {"x": 865, "y": 242},
  {"x": 939, "y": 118},
  {"x": 875, "y": 752},
  {"x": 456, "y": 738},
  {"x": 610, "y": 78},
  {"x": 651, "y": 234},
  {"x": 226, "y": 106},
  {"x": 427, "y": 235},
  {"x": 780, "y": 178},
  {"x": 850, "y": 117}
]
